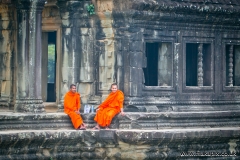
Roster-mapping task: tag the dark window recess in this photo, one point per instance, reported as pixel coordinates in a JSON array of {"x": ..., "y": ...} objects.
[
  {"x": 233, "y": 65},
  {"x": 194, "y": 68},
  {"x": 207, "y": 65},
  {"x": 159, "y": 64},
  {"x": 191, "y": 64},
  {"x": 151, "y": 71}
]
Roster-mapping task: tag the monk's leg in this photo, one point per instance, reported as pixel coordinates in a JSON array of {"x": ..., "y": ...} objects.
[
  {"x": 99, "y": 118},
  {"x": 109, "y": 116},
  {"x": 76, "y": 119}
]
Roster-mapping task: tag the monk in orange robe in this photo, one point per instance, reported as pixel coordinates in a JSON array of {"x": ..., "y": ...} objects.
[
  {"x": 109, "y": 108},
  {"x": 72, "y": 106}
]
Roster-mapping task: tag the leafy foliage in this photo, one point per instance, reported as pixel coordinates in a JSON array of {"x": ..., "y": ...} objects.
[
  {"x": 91, "y": 9},
  {"x": 51, "y": 63}
]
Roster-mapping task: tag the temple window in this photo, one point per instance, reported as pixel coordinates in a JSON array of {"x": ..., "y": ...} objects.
[
  {"x": 159, "y": 69},
  {"x": 198, "y": 64},
  {"x": 232, "y": 65}
]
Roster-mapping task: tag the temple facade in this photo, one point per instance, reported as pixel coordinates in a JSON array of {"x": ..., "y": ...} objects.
[
  {"x": 163, "y": 54},
  {"x": 177, "y": 62}
]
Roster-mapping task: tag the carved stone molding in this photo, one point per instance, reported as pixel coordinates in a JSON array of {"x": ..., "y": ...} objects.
[
  {"x": 181, "y": 6},
  {"x": 31, "y": 4}
]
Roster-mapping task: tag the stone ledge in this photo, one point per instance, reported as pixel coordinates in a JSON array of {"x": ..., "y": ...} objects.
[
  {"x": 118, "y": 144},
  {"x": 139, "y": 120}
]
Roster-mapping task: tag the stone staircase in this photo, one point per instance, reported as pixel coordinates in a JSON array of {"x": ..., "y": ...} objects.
[{"x": 137, "y": 135}]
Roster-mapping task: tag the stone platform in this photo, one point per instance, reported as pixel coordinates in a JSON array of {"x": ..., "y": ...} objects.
[
  {"x": 131, "y": 120},
  {"x": 135, "y": 136},
  {"x": 207, "y": 143}
]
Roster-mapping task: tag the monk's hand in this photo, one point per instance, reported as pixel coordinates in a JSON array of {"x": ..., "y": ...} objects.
[
  {"x": 122, "y": 113},
  {"x": 77, "y": 112}
]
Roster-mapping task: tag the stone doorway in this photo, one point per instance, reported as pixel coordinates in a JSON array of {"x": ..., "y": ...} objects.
[{"x": 50, "y": 67}]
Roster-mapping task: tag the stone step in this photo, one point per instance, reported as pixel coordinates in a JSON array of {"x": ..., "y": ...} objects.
[
  {"x": 191, "y": 143},
  {"x": 131, "y": 120}
]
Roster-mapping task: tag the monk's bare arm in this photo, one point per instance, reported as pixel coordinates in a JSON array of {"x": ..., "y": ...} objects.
[{"x": 122, "y": 113}]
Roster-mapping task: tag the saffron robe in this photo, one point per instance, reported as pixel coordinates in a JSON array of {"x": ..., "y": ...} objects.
[
  {"x": 72, "y": 104},
  {"x": 109, "y": 108}
]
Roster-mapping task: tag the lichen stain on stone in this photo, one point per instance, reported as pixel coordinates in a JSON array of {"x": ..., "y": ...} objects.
[
  {"x": 232, "y": 145},
  {"x": 127, "y": 151},
  {"x": 46, "y": 152}
]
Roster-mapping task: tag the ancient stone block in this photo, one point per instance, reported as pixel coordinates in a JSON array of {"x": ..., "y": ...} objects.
[
  {"x": 136, "y": 46},
  {"x": 136, "y": 59},
  {"x": 108, "y": 137}
]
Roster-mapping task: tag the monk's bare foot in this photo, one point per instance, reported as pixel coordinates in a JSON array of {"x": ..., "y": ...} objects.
[
  {"x": 82, "y": 127},
  {"x": 107, "y": 128},
  {"x": 96, "y": 128}
]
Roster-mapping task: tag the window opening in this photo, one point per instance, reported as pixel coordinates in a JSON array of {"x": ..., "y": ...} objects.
[
  {"x": 198, "y": 64},
  {"x": 159, "y": 64},
  {"x": 233, "y": 65}
]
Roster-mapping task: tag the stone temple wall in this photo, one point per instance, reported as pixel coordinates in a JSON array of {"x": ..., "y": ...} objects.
[
  {"x": 186, "y": 105},
  {"x": 117, "y": 44},
  {"x": 7, "y": 53}
]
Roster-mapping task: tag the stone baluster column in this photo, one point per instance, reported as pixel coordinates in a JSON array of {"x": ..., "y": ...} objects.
[
  {"x": 230, "y": 67},
  {"x": 200, "y": 64},
  {"x": 29, "y": 55}
]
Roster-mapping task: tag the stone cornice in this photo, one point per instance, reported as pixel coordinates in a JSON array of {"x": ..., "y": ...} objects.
[{"x": 186, "y": 7}]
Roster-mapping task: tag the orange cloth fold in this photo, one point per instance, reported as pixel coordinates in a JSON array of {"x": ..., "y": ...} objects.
[
  {"x": 109, "y": 108},
  {"x": 72, "y": 104}
]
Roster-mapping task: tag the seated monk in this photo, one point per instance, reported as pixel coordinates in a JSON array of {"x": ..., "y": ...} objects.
[
  {"x": 109, "y": 108},
  {"x": 72, "y": 106}
]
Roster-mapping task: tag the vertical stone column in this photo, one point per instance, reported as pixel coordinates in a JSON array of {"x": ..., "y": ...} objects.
[
  {"x": 107, "y": 57},
  {"x": 230, "y": 67},
  {"x": 29, "y": 56},
  {"x": 165, "y": 65},
  {"x": 237, "y": 65},
  {"x": 200, "y": 65},
  {"x": 176, "y": 67},
  {"x": 86, "y": 64},
  {"x": 134, "y": 66}
]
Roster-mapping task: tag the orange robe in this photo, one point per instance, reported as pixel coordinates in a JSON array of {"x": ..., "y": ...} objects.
[
  {"x": 72, "y": 104},
  {"x": 109, "y": 108}
]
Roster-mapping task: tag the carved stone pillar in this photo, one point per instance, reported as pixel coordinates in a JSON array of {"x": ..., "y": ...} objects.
[
  {"x": 29, "y": 56},
  {"x": 230, "y": 67},
  {"x": 237, "y": 65},
  {"x": 107, "y": 55},
  {"x": 165, "y": 65},
  {"x": 86, "y": 64},
  {"x": 200, "y": 65},
  {"x": 71, "y": 46}
]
